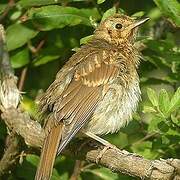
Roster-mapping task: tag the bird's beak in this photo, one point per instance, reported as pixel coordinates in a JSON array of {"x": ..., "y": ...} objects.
[{"x": 138, "y": 23}]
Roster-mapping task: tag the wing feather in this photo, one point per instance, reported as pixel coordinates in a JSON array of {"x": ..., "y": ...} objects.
[
  {"x": 80, "y": 118},
  {"x": 78, "y": 100}
]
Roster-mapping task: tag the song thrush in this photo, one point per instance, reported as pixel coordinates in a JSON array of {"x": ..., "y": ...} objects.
[{"x": 96, "y": 91}]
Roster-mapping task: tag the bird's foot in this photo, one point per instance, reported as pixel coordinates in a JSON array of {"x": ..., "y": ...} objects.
[
  {"x": 103, "y": 151},
  {"x": 106, "y": 144}
]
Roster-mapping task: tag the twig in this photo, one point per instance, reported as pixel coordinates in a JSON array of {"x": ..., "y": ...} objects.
[
  {"x": 35, "y": 50},
  {"x": 145, "y": 138},
  {"x": 116, "y": 5},
  {"x": 10, "y": 154},
  {"x": 10, "y": 5},
  {"x": 22, "y": 79},
  {"x": 77, "y": 170}
]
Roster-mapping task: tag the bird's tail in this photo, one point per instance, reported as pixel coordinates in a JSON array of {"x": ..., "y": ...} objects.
[{"x": 48, "y": 154}]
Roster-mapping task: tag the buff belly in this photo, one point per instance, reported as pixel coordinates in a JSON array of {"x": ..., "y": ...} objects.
[{"x": 115, "y": 110}]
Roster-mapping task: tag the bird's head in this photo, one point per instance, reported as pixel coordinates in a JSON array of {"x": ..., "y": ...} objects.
[{"x": 119, "y": 28}]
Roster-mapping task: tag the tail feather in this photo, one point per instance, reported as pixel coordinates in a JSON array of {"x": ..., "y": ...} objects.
[{"x": 48, "y": 154}]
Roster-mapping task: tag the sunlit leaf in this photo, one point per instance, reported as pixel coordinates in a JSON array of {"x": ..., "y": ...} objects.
[
  {"x": 175, "y": 101},
  {"x": 33, "y": 159},
  {"x": 20, "y": 57},
  {"x": 153, "y": 124},
  {"x": 84, "y": 40},
  {"x": 100, "y": 1},
  {"x": 108, "y": 13},
  {"x": 30, "y": 3},
  {"x": 170, "y": 8},
  {"x": 52, "y": 17},
  {"x": 148, "y": 109},
  {"x": 138, "y": 14},
  {"x": 145, "y": 149},
  {"x": 152, "y": 96},
  {"x": 164, "y": 101},
  {"x": 19, "y": 34},
  {"x": 47, "y": 55}
]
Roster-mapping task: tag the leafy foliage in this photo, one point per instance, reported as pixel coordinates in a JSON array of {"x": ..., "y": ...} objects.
[{"x": 42, "y": 35}]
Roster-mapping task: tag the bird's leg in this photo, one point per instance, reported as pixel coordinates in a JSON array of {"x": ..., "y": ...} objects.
[{"x": 102, "y": 141}]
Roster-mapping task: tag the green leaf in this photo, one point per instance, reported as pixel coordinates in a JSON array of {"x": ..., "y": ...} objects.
[
  {"x": 148, "y": 109},
  {"x": 2, "y": 7},
  {"x": 153, "y": 124},
  {"x": 85, "y": 40},
  {"x": 15, "y": 15},
  {"x": 170, "y": 8},
  {"x": 19, "y": 34},
  {"x": 164, "y": 101},
  {"x": 165, "y": 140},
  {"x": 154, "y": 13},
  {"x": 138, "y": 14},
  {"x": 100, "y": 1},
  {"x": 28, "y": 167},
  {"x": 175, "y": 101},
  {"x": 51, "y": 17},
  {"x": 121, "y": 139},
  {"x": 31, "y": 3},
  {"x": 108, "y": 13},
  {"x": 45, "y": 58},
  {"x": 33, "y": 159},
  {"x": 145, "y": 149},
  {"x": 103, "y": 173},
  {"x": 57, "y": 176},
  {"x": 160, "y": 46},
  {"x": 163, "y": 127},
  {"x": 29, "y": 106},
  {"x": 47, "y": 55},
  {"x": 152, "y": 96},
  {"x": 20, "y": 58},
  {"x": 175, "y": 119}
]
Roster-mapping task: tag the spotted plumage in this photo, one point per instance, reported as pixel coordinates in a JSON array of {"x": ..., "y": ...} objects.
[{"x": 96, "y": 92}]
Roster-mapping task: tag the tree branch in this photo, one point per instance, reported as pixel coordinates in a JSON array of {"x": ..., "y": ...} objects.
[
  {"x": 116, "y": 160},
  {"x": 11, "y": 152},
  {"x": 77, "y": 170},
  {"x": 128, "y": 163},
  {"x": 9, "y": 97},
  {"x": 22, "y": 124}
]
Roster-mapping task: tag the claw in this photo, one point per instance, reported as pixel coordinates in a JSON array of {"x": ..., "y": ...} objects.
[{"x": 102, "y": 152}]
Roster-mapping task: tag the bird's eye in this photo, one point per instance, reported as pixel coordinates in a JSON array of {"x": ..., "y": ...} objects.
[{"x": 118, "y": 26}]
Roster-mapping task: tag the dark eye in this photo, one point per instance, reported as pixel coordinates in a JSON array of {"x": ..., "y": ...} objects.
[{"x": 118, "y": 26}]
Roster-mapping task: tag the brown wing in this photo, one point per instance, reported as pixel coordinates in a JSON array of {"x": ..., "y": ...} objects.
[{"x": 78, "y": 102}]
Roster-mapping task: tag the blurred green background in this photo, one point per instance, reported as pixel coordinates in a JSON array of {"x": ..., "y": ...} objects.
[{"x": 43, "y": 34}]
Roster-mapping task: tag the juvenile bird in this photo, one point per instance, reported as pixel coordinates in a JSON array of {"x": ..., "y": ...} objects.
[{"x": 96, "y": 91}]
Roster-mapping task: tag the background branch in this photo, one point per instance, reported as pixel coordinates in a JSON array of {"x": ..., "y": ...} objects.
[
  {"x": 10, "y": 154},
  {"x": 9, "y": 98}
]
